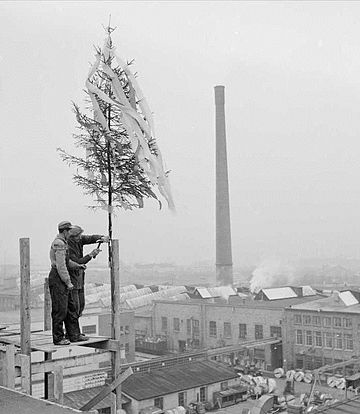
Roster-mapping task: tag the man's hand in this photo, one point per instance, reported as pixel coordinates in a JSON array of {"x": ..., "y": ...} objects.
[
  {"x": 94, "y": 253},
  {"x": 104, "y": 239},
  {"x": 70, "y": 286},
  {"x": 82, "y": 266}
]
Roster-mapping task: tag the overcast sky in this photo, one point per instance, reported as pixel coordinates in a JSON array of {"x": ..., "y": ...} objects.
[{"x": 291, "y": 72}]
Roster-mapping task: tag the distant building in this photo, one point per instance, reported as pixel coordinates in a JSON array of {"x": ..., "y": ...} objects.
[
  {"x": 322, "y": 332},
  {"x": 199, "y": 324},
  {"x": 178, "y": 385}
]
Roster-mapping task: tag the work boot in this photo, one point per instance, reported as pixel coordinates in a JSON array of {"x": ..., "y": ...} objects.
[
  {"x": 80, "y": 338},
  {"x": 62, "y": 342}
]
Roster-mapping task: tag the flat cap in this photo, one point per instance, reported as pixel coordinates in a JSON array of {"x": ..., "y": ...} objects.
[
  {"x": 75, "y": 231},
  {"x": 64, "y": 225}
]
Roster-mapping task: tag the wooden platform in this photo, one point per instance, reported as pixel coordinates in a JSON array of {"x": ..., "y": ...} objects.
[
  {"x": 42, "y": 341},
  {"x": 12, "y": 402}
]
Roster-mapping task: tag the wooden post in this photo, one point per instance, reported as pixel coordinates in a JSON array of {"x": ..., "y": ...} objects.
[
  {"x": 48, "y": 376},
  {"x": 25, "y": 318},
  {"x": 115, "y": 315},
  {"x": 58, "y": 385},
  {"x": 47, "y": 306},
  {"x": 25, "y": 365},
  {"x": 25, "y": 321},
  {"x": 9, "y": 367}
]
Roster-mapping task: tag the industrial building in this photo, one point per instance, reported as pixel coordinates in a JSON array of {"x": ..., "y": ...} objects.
[
  {"x": 177, "y": 385},
  {"x": 322, "y": 332}
]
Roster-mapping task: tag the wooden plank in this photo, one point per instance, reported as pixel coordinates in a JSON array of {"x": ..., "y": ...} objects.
[
  {"x": 58, "y": 385},
  {"x": 107, "y": 390},
  {"x": 25, "y": 320},
  {"x": 9, "y": 367},
  {"x": 70, "y": 362},
  {"x": 25, "y": 364},
  {"x": 108, "y": 345}
]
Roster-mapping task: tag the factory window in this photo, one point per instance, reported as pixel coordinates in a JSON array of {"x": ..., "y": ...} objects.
[
  {"x": 188, "y": 326},
  {"x": 196, "y": 343},
  {"x": 328, "y": 361},
  {"x": 328, "y": 339},
  {"x": 227, "y": 330},
  {"x": 182, "y": 399},
  {"x": 318, "y": 362},
  {"x": 347, "y": 323},
  {"x": 275, "y": 331},
  {"x": 196, "y": 327},
  {"x": 309, "y": 338},
  {"x": 316, "y": 320},
  {"x": 338, "y": 340},
  {"x": 224, "y": 385},
  {"x": 203, "y": 394},
  {"x": 299, "y": 337},
  {"x": 299, "y": 361},
  {"x": 327, "y": 321},
  {"x": 307, "y": 320},
  {"x": 176, "y": 324},
  {"x": 212, "y": 328},
  {"x": 127, "y": 330},
  {"x": 348, "y": 341},
  {"x": 318, "y": 339},
  {"x": 242, "y": 330},
  {"x": 297, "y": 319},
  {"x": 337, "y": 322},
  {"x": 89, "y": 329},
  {"x": 164, "y": 324},
  {"x": 159, "y": 402},
  {"x": 121, "y": 330},
  {"x": 259, "y": 332},
  {"x": 127, "y": 347}
]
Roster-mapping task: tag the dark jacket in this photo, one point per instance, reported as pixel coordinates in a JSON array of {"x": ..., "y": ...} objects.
[{"x": 76, "y": 254}]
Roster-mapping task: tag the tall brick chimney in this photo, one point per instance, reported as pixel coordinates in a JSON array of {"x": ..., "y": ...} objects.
[{"x": 224, "y": 269}]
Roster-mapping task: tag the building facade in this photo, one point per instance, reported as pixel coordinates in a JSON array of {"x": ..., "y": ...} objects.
[
  {"x": 322, "y": 332},
  {"x": 192, "y": 325}
]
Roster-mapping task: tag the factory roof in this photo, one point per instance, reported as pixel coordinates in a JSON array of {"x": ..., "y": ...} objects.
[
  {"x": 339, "y": 301},
  {"x": 277, "y": 293},
  {"x": 175, "y": 379},
  {"x": 215, "y": 292}
]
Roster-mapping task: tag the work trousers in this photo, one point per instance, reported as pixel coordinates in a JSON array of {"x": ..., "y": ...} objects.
[{"x": 64, "y": 310}]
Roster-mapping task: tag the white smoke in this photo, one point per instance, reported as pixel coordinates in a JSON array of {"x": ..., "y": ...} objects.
[{"x": 272, "y": 273}]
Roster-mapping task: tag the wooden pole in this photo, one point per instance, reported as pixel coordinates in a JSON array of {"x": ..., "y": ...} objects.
[
  {"x": 115, "y": 315},
  {"x": 48, "y": 376},
  {"x": 25, "y": 321}
]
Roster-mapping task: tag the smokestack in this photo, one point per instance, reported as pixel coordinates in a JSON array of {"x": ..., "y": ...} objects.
[{"x": 224, "y": 270}]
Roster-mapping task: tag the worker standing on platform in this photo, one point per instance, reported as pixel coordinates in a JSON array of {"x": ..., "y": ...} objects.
[
  {"x": 63, "y": 310},
  {"x": 76, "y": 242}
]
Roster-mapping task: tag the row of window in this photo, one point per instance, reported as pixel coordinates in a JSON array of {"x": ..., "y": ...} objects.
[
  {"x": 314, "y": 362},
  {"x": 193, "y": 328},
  {"x": 182, "y": 398},
  {"x": 332, "y": 340},
  {"x": 326, "y": 321},
  {"x": 192, "y": 325}
]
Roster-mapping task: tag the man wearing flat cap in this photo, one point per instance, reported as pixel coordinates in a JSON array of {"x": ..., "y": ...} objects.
[
  {"x": 76, "y": 241},
  {"x": 63, "y": 311}
]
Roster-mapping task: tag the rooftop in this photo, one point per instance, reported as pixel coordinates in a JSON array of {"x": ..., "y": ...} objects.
[
  {"x": 176, "y": 378},
  {"x": 339, "y": 301}
]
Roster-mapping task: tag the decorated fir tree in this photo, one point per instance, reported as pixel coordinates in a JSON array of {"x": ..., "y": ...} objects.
[{"x": 123, "y": 164}]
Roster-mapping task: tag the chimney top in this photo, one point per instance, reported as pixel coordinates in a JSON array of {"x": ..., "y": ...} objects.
[{"x": 219, "y": 95}]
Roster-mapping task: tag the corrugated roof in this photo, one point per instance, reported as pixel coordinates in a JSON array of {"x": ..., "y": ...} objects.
[
  {"x": 279, "y": 293},
  {"x": 77, "y": 399},
  {"x": 176, "y": 378},
  {"x": 215, "y": 292}
]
